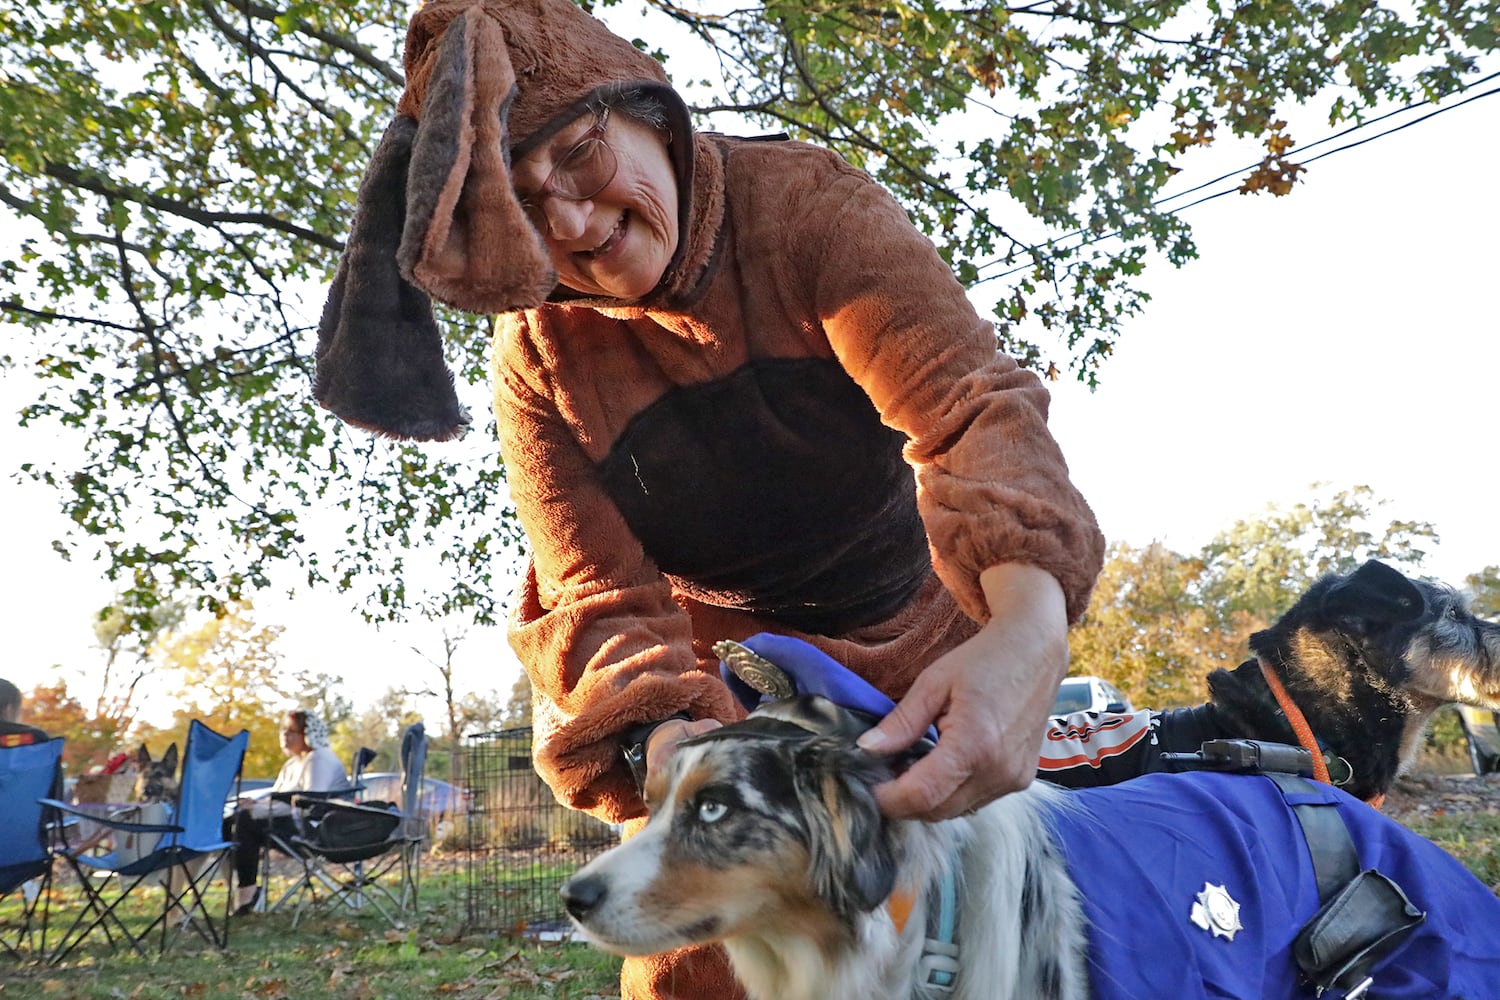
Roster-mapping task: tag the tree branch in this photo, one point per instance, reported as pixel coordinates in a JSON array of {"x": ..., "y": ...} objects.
[
  {"x": 12, "y": 305},
  {"x": 89, "y": 181},
  {"x": 341, "y": 42},
  {"x": 249, "y": 44}
]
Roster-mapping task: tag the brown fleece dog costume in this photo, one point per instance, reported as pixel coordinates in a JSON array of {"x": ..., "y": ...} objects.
[{"x": 805, "y": 428}]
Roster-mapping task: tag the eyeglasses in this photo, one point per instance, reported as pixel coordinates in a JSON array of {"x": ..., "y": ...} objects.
[{"x": 579, "y": 174}]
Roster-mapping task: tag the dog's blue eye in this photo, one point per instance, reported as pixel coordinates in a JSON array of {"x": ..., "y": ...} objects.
[{"x": 711, "y": 811}]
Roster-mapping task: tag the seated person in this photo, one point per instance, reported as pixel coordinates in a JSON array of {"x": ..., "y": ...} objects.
[
  {"x": 310, "y": 767},
  {"x": 13, "y": 732}
]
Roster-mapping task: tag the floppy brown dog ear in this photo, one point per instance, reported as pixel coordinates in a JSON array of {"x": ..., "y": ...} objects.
[
  {"x": 467, "y": 241},
  {"x": 380, "y": 357},
  {"x": 436, "y": 216},
  {"x": 854, "y": 858}
]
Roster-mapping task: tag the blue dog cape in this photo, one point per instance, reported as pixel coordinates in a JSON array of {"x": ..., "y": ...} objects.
[{"x": 1152, "y": 845}]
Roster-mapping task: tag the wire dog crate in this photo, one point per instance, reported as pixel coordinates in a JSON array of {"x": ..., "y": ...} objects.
[{"x": 521, "y": 843}]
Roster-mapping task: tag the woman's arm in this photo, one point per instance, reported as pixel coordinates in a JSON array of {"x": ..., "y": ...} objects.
[
  {"x": 324, "y": 773},
  {"x": 594, "y": 623},
  {"x": 989, "y": 698},
  {"x": 992, "y": 485},
  {"x": 286, "y": 778}
]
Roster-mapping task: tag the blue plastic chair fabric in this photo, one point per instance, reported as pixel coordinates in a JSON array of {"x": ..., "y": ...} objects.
[
  {"x": 27, "y": 777},
  {"x": 190, "y": 852}
]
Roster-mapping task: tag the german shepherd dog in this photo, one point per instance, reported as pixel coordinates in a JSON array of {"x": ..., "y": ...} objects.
[
  {"x": 156, "y": 780},
  {"x": 1365, "y": 658},
  {"x": 765, "y": 835}
]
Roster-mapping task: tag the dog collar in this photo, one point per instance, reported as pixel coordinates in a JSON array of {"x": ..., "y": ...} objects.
[
  {"x": 1297, "y": 720},
  {"x": 937, "y": 969},
  {"x": 1309, "y": 742}
]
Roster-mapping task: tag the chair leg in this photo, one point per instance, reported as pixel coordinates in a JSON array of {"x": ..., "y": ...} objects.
[
  {"x": 411, "y": 872},
  {"x": 356, "y": 886},
  {"x": 183, "y": 890},
  {"x": 102, "y": 910},
  {"x": 196, "y": 914},
  {"x": 307, "y": 886},
  {"x": 35, "y": 893}
]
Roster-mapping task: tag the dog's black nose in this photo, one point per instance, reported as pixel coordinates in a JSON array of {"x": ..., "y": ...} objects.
[{"x": 582, "y": 895}]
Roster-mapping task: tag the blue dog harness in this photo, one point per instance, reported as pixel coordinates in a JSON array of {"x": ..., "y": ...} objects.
[{"x": 1188, "y": 841}]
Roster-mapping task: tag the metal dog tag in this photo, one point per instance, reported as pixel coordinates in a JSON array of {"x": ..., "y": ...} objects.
[{"x": 755, "y": 670}]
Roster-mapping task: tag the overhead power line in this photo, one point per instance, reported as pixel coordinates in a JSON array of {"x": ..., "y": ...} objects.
[{"x": 1084, "y": 238}]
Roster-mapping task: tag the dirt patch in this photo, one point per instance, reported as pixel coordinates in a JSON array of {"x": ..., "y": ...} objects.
[{"x": 1424, "y": 794}]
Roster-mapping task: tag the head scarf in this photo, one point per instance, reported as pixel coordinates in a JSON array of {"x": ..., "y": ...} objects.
[{"x": 316, "y": 732}]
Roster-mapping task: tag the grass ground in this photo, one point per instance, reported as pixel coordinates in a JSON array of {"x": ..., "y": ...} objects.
[
  {"x": 1473, "y": 838},
  {"x": 335, "y": 957}
]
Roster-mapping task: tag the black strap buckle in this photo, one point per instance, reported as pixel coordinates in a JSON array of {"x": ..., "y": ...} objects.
[{"x": 1364, "y": 917}]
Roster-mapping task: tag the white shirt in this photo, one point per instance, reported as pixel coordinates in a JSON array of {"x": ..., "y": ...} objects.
[{"x": 315, "y": 771}]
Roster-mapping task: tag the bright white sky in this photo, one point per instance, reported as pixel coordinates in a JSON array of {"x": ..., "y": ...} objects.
[{"x": 1346, "y": 334}]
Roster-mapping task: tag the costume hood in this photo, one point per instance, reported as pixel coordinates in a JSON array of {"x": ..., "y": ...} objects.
[{"x": 436, "y": 215}]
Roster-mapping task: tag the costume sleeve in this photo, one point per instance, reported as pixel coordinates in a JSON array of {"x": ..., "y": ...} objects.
[
  {"x": 594, "y": 623},
  {"x": 992, "y": 485}
]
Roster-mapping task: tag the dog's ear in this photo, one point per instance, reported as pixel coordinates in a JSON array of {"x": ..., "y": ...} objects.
[
  {"x": 142, "y": 757},
  {"x": 380, "y": 359},
  {"x": 852, "y": 846},
  {"x": 169, "y": 759},
  {"x": 436, "y": 215},
  {"x": 1375, "y": 592},
  {"x": 466, "y": 239}
]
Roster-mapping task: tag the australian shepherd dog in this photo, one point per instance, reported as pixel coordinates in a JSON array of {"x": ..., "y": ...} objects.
[{"x": 765, "y": 836}]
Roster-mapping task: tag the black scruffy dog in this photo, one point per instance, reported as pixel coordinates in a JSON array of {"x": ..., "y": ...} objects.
[{"x": 1366, "y": 658}]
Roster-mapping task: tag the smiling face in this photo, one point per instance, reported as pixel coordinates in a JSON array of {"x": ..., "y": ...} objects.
[{"x": 619, "y": 242}]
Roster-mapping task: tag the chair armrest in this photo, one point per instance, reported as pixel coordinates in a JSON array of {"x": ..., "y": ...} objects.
[
  {"x": 319, "y": 795},
  {"x": 302, "y": 801},
  {"x": 68, "y": 808},
  {"x": 111, "y": 822}
]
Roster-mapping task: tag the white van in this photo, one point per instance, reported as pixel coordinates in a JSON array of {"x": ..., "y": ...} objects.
[{"x": 1089, "y": 694}]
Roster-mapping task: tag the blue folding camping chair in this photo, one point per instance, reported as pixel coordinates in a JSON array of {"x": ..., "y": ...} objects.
[
  {"x": 186, "y": 857},
  {"x": 27, "y": 776}
]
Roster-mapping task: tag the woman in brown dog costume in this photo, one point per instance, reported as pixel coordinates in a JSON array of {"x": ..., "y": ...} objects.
[{"x": 737, "y": 391}]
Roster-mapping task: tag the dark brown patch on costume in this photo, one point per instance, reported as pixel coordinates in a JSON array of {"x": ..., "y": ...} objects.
[{"x": 776, "y": 490}]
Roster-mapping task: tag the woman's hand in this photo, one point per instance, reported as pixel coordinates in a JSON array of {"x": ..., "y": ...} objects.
[
  {"x": 662, "y": 742},
  {"x": 990, "y": 698}
]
